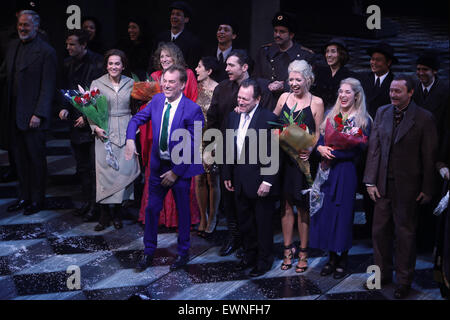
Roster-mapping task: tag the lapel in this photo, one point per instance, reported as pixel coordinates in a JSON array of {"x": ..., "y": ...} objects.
[
  {"x": 33, "y": 56},
  {"x": 11, "y": 53},
  {"x": 407, "y": 122},
  {"x": 255, "y": 118},
  {"x": 178, "y": 116},
  {"x": 156, "y": 119},
  {"x": 388, "y": 126},
  {"x": 123, "y": 81}
]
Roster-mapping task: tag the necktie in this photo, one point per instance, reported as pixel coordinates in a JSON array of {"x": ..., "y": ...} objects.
[
  {"x": 173, "y": 39},
  {"x": 242, "y": 134},
  {"x": 398, "y": 116},
  {"x": 221, "y": 59},
  {"x": 165, "y": 129},
  {"x": 425, "y": 93},
  {"x": 378, "y": 83}
]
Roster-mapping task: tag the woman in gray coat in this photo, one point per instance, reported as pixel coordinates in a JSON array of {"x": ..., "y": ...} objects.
[{"x": 114, "y": 185}]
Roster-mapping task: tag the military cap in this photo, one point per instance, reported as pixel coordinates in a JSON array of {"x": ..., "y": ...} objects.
[{"x": 285, "y": 19}]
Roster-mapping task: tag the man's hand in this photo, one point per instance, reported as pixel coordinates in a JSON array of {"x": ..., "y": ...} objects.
[
  {"x": 169, "y": 179},
  {"x": 276, "y": 86},
  {"x": 130, "y": 150},
  {"x": 263, "y": 190},
  {"x": 64, "y": 114},
  {"x": 423, "y": 198},
  {"x": 79, "y": 123},
  {"x": 229, "y": 185},
  {"x": 373, "y": 193},
  {"x": 35, "y": 122}
]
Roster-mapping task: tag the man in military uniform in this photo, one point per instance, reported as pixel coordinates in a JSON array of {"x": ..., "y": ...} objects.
[{"x": 273, "y": 59}]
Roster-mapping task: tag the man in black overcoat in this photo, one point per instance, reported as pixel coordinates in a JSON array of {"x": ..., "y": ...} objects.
[{"x": 31, "y": 77}]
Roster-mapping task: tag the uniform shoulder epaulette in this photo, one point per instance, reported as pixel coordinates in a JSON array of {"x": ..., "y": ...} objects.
[{"x": 307, "y": 49}]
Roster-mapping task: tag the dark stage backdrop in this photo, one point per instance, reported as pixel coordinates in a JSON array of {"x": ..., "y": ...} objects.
[{"x": 253, "y": 16}]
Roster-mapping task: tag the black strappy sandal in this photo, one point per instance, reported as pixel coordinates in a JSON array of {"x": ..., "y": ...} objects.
[
  {"x": 287, "y": 266},
  {"x": 299, "y": 269}
]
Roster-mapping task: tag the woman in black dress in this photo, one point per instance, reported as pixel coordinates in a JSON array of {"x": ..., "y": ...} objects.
[
  {"x": 308, "y": 110},
  {"x": 329, "y": 77}
]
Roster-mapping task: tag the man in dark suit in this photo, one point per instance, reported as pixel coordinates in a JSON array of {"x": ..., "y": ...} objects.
[
  {"x": 376, "y": 83},
  {"x": 169, "y": 112},
  {"x": 431, "y": 93},
  {"x": 399, "y": 176},
  {"x": 31, "y": 77},
  {"x": 227, "y": 32},
  {"x": 255, "y": 192},
  {"x": 190, "y": 45},
  {"x": 80, "y": 69},
  {"x": 223, "y": 102}
]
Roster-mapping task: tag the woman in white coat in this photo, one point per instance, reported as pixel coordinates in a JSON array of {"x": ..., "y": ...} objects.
[{"x": 114, "y": 185}]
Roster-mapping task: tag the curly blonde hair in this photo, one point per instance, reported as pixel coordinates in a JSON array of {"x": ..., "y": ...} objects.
[{"x": 174, "y": 52}]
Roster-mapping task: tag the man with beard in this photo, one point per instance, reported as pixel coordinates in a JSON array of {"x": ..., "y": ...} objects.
[
  {"x": 273, "y": 59},
  {"x": 31, "y": 77}
]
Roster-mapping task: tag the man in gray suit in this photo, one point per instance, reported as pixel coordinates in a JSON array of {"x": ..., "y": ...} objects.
[
  {"x": 399, "y": 176},
  {"x": 31, "y": 77}
]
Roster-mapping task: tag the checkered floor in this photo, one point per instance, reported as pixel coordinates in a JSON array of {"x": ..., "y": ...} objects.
[{"x": 36, "y": 251}]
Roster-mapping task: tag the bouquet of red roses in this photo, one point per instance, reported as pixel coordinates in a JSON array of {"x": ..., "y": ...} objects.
[
  {"x": 95, "y": 107},
  {"x": 345, "y": 135}
]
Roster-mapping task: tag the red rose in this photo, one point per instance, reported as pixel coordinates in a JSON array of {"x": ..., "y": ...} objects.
[
  {"x": 78, "y": 100},
  {"x": 340, "y": 127},
  {"x": 93, "y": 94},
  {"x": 338, "y": 120},
  {"x": 360, "y": 132},
  {"x": 98, "y": 91},
  {"x": 303, "y": 126}
]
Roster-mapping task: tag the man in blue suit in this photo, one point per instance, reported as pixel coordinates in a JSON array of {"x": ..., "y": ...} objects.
[{"x": 169, "y": 112}]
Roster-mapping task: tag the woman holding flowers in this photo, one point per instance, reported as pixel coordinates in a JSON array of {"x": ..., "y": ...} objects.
[
  {"x": 343, "y": 138},
  {"x": 114, "y": 182},
  {"x": 302, "y": 108}
]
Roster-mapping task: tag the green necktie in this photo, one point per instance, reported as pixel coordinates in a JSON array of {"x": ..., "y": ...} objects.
[{"x": 165, "y": 129}]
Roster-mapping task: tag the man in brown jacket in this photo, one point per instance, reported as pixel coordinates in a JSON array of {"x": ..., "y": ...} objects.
[{"x": 399, "y": 177}]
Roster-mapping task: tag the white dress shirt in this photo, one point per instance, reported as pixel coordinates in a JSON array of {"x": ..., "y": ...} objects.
[
  {"x": 225, "y": 53},
  {"x": 166, "y": 155},
  {"x": 381, "y": 78}
]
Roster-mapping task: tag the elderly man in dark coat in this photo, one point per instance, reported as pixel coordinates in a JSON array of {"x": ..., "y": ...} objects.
[
  {"x": 399, "y": 176},
  {"x": 31, "y": 77}
]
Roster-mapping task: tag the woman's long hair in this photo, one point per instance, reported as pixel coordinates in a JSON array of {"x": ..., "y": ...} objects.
[
  {"x": 362, "y": 118},
  {"x": 174, "y": 51}
]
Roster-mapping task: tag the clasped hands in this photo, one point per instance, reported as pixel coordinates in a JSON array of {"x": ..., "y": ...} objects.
[
  {"x": 374, "y": 194},
  {"x": 79, "y": 123},
  {"x": 263, "y": 190}
]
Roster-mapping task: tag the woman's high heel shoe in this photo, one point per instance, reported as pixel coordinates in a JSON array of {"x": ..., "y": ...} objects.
[
  {"x": 212, "y": 225},
  {"x": 290, "y": 256}
]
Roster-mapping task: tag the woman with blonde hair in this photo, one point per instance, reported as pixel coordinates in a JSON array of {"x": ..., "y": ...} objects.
[
  {"x": 307, "y": 111},
  {"x": 331, "y": 227}
]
